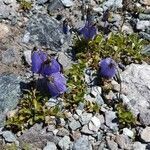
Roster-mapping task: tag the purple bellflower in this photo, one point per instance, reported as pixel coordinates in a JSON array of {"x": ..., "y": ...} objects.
[
  {"x": 88, "y": 31},
  {"x": 37, "y": 57},
  {"x": 56, "y": 84},
  {"x": 50, "y": 66},
  {"x": 107, "y": 68}
]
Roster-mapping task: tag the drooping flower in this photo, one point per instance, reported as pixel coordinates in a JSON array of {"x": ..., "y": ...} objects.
[
  {"x": 50, "y": 66},
  {"x": 88, "y": 31},
  {"x": 107, "y": 68},
  {"x": 38, "y": 57},
  {"x": 56, "y": 84}
]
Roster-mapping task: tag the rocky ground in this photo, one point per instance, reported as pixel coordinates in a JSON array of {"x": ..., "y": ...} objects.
[{"x": 41, "y": 26}]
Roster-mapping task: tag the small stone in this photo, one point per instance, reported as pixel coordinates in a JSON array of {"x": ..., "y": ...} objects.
[
  {"x": 41, "y": 1},
  {"x": 127, "y": 28},
  {"x": 64, "y": 143},
  {"x": 94, "y": 124},
  {"x": 50, "y": 146},
  {"x": 145, "y": 134},
  {"x": 55, "y": 131},
  {"x": 86, "y": 130},
  {"x": 96, "y": 90},
  {"x": 27, "y": 56},
  {"x": 79, "y": 112},
  {"x": 110, "y": 118},
  {"x": 62, "y": 132},
  {"x": 142, "y": 24},
  {"x": 144, "y": 117},
  {"x": 111, "y": 144},
  {"x": 139, "y": 146},
  {"x": 144, "y": 35},
  {"x": 75, "y": 116},
  {"x": 62, "y": 122},
  {"x": 9, "y": 136},
  {"x": 85, "y": 118},
  {"x": 82, "y": 144},
  {"x": 74, "y": 125},
  {"x": 143, "y": 16},
  {"x": 76, "y": 135},
  {"x": 12, "y": 113},
  {"x": 115, "y": 85},
  {"x": 50, "y": 128},
  {"x": 4, "y": 32},
  {"x": 128, "y": 132},
  {"x": 67, "y": 3},
  {"x": 123, "y": 141},
  {"x": 26, "y": 37},
  {"x": 145, "y": 2},
  {"x": 52, "y": 102}
]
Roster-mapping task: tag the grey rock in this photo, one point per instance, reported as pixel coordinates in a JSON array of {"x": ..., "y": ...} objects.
[
  {"x": 123, "y": 142},
  {"x": 111, "y": 144},
  {"x": 110, "y": 118},
  {"x": 112, "y": 3},
  {"x": 10, "y": 91},
  {"x": 9, "y": 56},
  {"x": 139, "y": 146},
  {"x": 145, "y": 134},
  {"x": 143, "y": 16},
  {"x": 41, "y": 1},
  {"x": 37, "y": 138},
  {"x": 142, "y": 24},
  {"x": 64, "y": 143},
  {"x": 146, "y": 50},
  {"x": 128, "y": 132},
  {"x": 82, "y": 144},
  {"x": 52, "y": 102},
  {"x": 62, "y": 132},
  {"x": 27, "y": 56},
  {"x": 145, "y": 35},
  {"x": 145, "y": 2},
  {"x": 85, "y": 118},
  {"x": 74, "y": 125},
  {"x": 9, "y": 136},
  {"x": 127, "y": 28},
  {"x": 26, "y": 37},
  {"x": 79, "y": 112},
  {"x": 67, "y": 3},
  {"x": 50, "y": 146},
  {"x": 137, "y": 79},
  {"x": 86, "y": 130},
  {"x": 45, "y": 31},
  {"x": 50, "y": 128},
  {"x": 54, "y": 5},
  {"x": 144, "y": 117}
]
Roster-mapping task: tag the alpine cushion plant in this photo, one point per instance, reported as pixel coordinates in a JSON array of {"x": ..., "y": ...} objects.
[
  {"x": 56, "y": 84},
  {"x": 107, "y": 68}
]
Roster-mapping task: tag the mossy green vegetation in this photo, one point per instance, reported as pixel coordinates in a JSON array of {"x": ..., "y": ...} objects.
[
  {"x": 25, "y": 5},
  {"x": 125, "y": 116}
]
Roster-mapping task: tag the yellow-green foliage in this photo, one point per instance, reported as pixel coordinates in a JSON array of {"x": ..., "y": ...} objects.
[
  {"x": 32, "y": 109},
  {"x": 125, "y": 116},
  {"x": 121, "y": 47},
  {"x": 25, "y": 5}
]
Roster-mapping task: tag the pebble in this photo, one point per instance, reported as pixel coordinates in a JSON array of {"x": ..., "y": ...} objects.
[
  {"x": 27, "y": 56},
  {"x": 128, "y": 132},
  {"x": 144, "y": 117},
  {"x": 79, "y": 112},
  {"x": 74, "y": 125},
  {"x": 94, "y": 124},
  {"x": 145, "y": 2},
  {"x": 86, "y": 130},
  {"x": 139, "y": 146},
  {"x": 82, "y": 144},
  {"x": 96, "y": 90},
  {"x": 26, "y": 37},
  {"x": 110, "y": 117},
  {"x": 9, "y": 136},
  {"x": 85, "y": 118},
  {"x": 143, "y": 16},
  {"x": 142, "y": 24},
  {"x": 62, "y": 132},
  {"x": 5, "y": 30},
  {"x": 67, "y": 3},
  {"x": 111, "y": 144},
  {"x": 50, "y": 146},
  {"x": 64, "y": 143},
  {"x": 145, "y": 134}
]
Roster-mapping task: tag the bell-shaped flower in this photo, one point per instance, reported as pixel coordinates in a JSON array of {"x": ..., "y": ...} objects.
[
  {"x": 56, "y": 84},
  {"x": 50, "y": 66},
  {"x": 88, "y": 31},
  {"x": 38, "y": 57},
  {"x": 107, "y": 68}
]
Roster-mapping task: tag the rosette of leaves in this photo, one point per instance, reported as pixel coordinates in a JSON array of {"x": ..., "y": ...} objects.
[
  {"x": 25, "y": 5},
  {"x": 31, "y": 110},
  {"x": 125, "y": 116}
]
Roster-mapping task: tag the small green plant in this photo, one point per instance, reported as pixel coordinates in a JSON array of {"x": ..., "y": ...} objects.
[
  {"x": 125, "y": 116},
  {"x": 11, "y": 147},
  {"x": 92, "y": 107},
  {"x": 32, "y": 110},
  {"x": 25, "y": 5}
]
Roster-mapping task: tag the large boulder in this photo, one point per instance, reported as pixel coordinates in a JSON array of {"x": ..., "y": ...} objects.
[
  {"x": 137, "y": 80},
  {"x": 45, "y": 31},
  {"x": 9, "y": 94}
]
